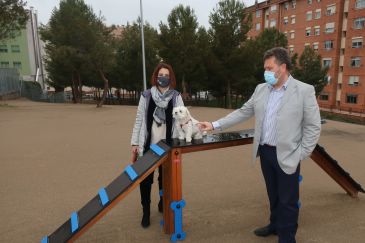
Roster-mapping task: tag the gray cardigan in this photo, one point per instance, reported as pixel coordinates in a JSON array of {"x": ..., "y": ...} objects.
[{"x": 139, "y": 134}]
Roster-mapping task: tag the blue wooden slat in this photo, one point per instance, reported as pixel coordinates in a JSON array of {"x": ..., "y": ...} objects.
[
  {"x": 131, "y": 172},
  {"x": 103, "y": 196},
  {"x": 45, "y": 239},
  {"x": 74, "y": 222},
  {"x": 157, "y": 149}
]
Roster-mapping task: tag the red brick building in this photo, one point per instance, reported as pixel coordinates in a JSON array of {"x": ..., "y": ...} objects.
[{"x": 336, "y": 29}]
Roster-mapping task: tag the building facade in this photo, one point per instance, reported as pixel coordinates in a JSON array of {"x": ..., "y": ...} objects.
[
  {"x": 25, "y": 52},
  {"x": 336, "y": 29}
]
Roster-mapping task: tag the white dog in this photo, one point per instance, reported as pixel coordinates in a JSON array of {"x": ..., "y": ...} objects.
[{"x": 185, "y": 124}]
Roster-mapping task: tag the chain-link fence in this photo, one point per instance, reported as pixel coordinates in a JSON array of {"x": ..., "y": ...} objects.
[{"x": 9, "y": 82}]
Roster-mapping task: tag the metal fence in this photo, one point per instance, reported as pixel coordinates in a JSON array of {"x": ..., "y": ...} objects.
[{"x": 9, "y": 82}]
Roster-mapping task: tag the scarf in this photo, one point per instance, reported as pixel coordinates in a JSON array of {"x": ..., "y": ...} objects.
[{"x": 161, "y": 101}]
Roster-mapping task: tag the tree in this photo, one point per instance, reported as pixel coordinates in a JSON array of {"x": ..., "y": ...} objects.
[
  {"x": 255, "y": 50},
  {"x": 178, "y": 44},
  {"x": 310, "y": 69},
  {"x": 229, "y": 26},
  {"x": 77, "y": 37},
  {"x": 129, "y": 55},
  {"x": 13, "y": 18}
]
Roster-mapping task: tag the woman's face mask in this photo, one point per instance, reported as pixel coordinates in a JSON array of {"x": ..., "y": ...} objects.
[{"x": 163, "y": 81}]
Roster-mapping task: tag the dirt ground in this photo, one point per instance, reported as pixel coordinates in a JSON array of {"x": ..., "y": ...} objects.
[{"x": 55, "y": 157}]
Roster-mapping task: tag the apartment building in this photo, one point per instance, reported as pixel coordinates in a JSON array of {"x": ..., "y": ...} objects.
[
  {"x": 25, "y": 52},
  {"x": 335, "y": 29}
]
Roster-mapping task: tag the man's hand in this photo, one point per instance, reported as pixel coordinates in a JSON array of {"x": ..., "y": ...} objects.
[{"x": 205, "y": 126}]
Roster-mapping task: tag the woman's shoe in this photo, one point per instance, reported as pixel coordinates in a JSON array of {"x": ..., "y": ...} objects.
[{"x": 146, "y": 216}]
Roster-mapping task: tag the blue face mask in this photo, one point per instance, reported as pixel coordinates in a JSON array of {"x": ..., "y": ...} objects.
[{"x": 270, "y": 77}]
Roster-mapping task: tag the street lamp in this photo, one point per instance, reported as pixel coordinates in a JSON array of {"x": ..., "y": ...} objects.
[{"x": 143, "y": 54}]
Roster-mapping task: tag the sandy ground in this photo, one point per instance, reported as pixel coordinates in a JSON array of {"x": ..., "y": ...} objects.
[{"x": 55, "y": 157}]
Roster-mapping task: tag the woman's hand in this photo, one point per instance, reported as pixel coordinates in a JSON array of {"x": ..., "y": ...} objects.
[
  {"x": 205, "y": 126},
  {"x": 135, "y": 150}
]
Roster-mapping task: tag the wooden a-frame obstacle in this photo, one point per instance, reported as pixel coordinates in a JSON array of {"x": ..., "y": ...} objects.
[{"x": 169, "y": 155}]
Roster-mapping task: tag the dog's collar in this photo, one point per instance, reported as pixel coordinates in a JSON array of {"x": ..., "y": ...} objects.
[{"x": 181, "y": 125}]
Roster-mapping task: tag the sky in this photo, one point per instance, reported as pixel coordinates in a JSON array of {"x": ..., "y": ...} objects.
[{"x": 119, "y": 12}]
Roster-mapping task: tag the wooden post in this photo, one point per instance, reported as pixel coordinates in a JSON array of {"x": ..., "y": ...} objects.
[{"x": 172, "y": 187}]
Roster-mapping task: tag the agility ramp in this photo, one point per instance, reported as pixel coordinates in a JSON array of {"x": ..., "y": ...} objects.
[
  {"x": 169, "y": 155},
  {"x": 109, "y": 196}
]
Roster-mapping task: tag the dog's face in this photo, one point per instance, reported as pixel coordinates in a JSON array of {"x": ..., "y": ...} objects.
[{"x": 180, "y": 113}]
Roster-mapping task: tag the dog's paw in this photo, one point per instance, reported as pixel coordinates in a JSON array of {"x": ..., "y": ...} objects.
[
  {"x": 188, "y": 140},
  {"x": 181, "y": 138}
]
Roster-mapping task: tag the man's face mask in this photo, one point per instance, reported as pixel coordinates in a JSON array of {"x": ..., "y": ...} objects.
[{"x": 271, "y": 78}]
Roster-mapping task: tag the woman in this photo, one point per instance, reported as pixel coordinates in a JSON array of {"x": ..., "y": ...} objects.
[{"x": 154, "y": 122}]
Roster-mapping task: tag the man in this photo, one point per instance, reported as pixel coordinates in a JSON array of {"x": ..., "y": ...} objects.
[{"x": 287, "y": 128}]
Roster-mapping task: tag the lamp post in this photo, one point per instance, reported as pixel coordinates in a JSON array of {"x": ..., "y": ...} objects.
[{"x": 143, "y": 53}]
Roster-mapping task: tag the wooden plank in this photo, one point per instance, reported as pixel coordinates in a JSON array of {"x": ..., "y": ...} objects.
[
  {"x": 117, "y": 200},
  {"x": 202, "y": 147},
  {"x": 334, "y": 173}
]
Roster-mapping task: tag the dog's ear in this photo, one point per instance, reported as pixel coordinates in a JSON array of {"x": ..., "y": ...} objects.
[{"x": 187, "y": 112}]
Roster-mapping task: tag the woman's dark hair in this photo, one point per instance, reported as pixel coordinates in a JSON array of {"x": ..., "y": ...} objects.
[
  {"x": 155, "y": 74},
  {"x": 281, "y": 56}
]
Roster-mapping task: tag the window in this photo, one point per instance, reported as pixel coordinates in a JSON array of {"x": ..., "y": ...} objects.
[
  {"x": 286, "y": 34},
  {"x": 258, "y": 13},
  {"x": 357, "y": 42},
  {"x": 286, "y": 5},
  {"x": 317, "y": 14},
  {"x": 4, "y": 64},
  {"x": 17, "y": 65},
  {"x": 309, "y": 1},
  {"x": 291, "y": 49},
  {"x": 309, "y": 15},
  {"x": 354, "y": 80},
  {"x": 273, "y": 8},
  {"x": 3, "y": 48},
  {"x": 317, "y": 30},
  {"x": 315, "y": 46},
  {"x": 293, "y": 19},
  {"x": 293, "y": 4},
  {"x": 308, "y": 32},
  {"x": 292, "y": 34},
  {"x": 351, "y": 98},
  {"x": 328, "y": 45},
  {"x": 331, "y": 10},
  {"x": 15, "y": 48},
  {"x": 286, "y": 21},
  {"x": 272, "y": 23},
  {"x": 355, "y": 62},
  {"x": 327, "y": 62},
  {"x": 323, "y": 97},
  {"x": 258, "y": 26},
  {"x": 360, "y": 4},
  {"x": 330, "y": 28},
  {"x": 359, "y": 23}
]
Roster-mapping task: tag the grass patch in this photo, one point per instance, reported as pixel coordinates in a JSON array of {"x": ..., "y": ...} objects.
[
  {"x": 6, "y": 105},
  {"x": 342, "y": 118}
]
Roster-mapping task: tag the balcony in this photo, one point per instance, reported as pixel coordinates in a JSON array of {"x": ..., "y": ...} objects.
[
  {"x": 346, "y": 6},
  {"x": 342, "y": 57},
  {"x": 340, "y": 76},
  {"x": 343, "y": 42},
  {"x": 338, "y": 95},
  {"x": 344, "y": 24}
]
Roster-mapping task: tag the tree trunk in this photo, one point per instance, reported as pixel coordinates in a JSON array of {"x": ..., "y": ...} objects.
[
  {"x": 74, "y": 90},
  {"x": 106, "y": 87},
  {"x": 228, "y": 95},
  {"x": 79, "y": 86}
]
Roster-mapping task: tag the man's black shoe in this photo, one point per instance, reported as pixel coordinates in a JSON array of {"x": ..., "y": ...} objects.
[{"x": 265, "y": 231}]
